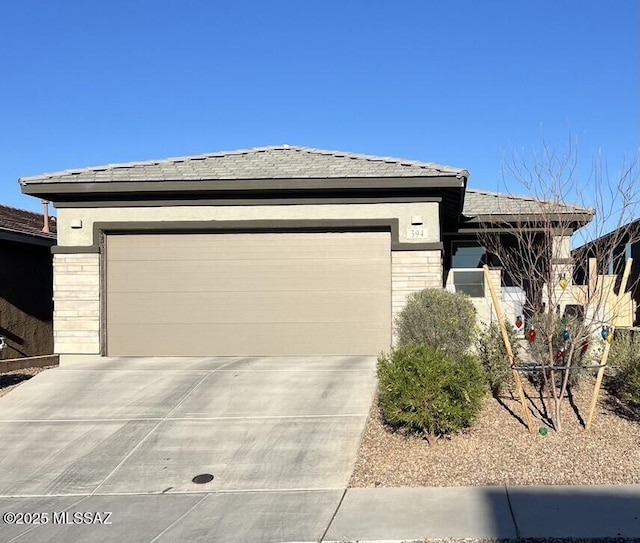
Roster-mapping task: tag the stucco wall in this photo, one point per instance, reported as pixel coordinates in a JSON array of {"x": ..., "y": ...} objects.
[
  {"x": 68, "y": 236},
  {"x": 561, "y": 264},
  {"x": 77, "y": 276},
  {"x": 484, "y": 306},
  {"x": 26, "y": 306}
]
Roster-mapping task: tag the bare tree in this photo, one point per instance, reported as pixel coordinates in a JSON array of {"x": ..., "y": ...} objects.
[{"x": 565, "y": 321}]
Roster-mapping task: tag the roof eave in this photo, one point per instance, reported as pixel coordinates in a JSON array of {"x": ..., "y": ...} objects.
[
  {"x": 27, "y": 238},
  {"x": 66, "y": 189},
  {"x": 511, "y": 221}
]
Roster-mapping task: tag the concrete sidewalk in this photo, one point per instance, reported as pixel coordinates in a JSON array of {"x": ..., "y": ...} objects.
[
  {"x": 361, "y": 514},
  {"x": 401, "y": 514}
]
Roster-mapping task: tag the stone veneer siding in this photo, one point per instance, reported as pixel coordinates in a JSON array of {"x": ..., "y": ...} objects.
[
  {"x": 76, "y": 295},
  {"x": 412, "y": 271}
]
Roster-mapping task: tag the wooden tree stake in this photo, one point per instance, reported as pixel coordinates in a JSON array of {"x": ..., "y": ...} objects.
[
  {"x": 507, "y": 344},
  {"x": 607, "y": 345}
]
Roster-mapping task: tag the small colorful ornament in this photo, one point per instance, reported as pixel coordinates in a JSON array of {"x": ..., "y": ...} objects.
[
  {"x": 519, "y": 322},
  {"x": 605, "y": 332},
  {"x": 610, "y": 338},
  {"x": 559, "y": 354},
  {"x": 565, "y": 334},
  {"x": 531, "y": 334},
  {"x": 563, "y": 282},
  {"x": 585, "y": 347},
  {"x": 542, "y": 431}
]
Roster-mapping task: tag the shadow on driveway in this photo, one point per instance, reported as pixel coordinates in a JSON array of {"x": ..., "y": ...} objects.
[{"x": 507, "y": 513}]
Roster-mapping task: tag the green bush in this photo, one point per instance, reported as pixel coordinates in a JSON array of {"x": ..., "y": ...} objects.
[
  {"x": 493, "y": 356},
  {"x": 423, "y": 389},
  {"x": 438, "y": 318},
  {"x": 624, "y": 352},
  {"x": 624, "y": 360},
  {"x": 627, "y": 385}
]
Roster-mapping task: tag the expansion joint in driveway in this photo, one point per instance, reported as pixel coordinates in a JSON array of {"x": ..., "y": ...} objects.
[
  {"x": 324, "y": 534},
  {"x": 139, "y": 444}
]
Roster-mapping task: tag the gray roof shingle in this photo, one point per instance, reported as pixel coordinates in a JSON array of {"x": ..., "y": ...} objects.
[
  {"x": 480, "y": 202},
  {"x": 274, "y": 162}
]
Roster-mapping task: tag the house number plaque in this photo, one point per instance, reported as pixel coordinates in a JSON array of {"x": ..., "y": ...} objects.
[{"x": 416, "y": 232}]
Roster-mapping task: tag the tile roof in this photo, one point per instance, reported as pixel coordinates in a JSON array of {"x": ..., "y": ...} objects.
[
  {"x": 480, "y": 202},
  {"x": 274, "y": 162},
  {"x": 20, "y": 221}
]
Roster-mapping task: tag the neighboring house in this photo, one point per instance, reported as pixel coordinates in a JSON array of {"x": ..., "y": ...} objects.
[
  {"x": 269, "y": 251},
  {"x": 26, "y": 279},
  {"x": 609, "y": 254}
]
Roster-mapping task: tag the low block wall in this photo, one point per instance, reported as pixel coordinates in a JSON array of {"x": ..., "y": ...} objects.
[{"x": 14, "y": 364}]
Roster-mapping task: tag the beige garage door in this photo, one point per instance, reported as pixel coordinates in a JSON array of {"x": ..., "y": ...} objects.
[{"x": 248, "y": 294}]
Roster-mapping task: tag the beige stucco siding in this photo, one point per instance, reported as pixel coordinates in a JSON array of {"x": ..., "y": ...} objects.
[
  {"x": 68, "y": 236},
  {"x": 78, "y": 306}
]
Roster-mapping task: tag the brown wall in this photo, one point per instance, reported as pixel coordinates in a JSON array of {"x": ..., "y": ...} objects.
[{"x": 26, "y": 306}]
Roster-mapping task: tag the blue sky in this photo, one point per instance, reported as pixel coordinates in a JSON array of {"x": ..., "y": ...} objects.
[{"x": 461, "y": 83}]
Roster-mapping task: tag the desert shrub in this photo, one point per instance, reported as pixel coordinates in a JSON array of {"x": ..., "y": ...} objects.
[
  {"x": 438, "y": 318},
  {"x": 423, "y": 389},
  {"x": 546, "y": 324},
  {"x": 627, "y": 385},
  {"x": 624, "y": 351},
  {"x": 493, "y": 356},
  {"x": 624, "y": 360}
]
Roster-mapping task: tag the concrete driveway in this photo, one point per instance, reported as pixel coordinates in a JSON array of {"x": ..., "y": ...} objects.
[{"x": 127, "y": 436}]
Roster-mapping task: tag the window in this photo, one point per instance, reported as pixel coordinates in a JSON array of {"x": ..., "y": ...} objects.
[
  {"x": 618, "y": 259},
  {"x": 470, "y": 282},
  {"x": 466, "y": 258},
  {"x": 467, "y": 254}
]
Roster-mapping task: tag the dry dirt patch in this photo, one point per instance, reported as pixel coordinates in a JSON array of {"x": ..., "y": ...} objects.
[{"x": 499, "y": 450}]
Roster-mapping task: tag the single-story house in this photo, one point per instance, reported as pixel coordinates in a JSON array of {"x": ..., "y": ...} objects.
[
  {"x": 277, "y": 250},
  {"x": 609, "y": 254},
  {"x": 26, "y": 283}
]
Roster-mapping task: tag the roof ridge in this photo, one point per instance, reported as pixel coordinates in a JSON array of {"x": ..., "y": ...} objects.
[
  {"x": 505, "y": 194},
  {"x": 168, "y": 160},
  {"x": 441, "y": 168},
  {"x": 376, "y": 158}
]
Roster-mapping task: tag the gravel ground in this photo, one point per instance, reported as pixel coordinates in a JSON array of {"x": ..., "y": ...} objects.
[
  {"x": 11, "y": 379},
  {"x": 499, "y": 450}
]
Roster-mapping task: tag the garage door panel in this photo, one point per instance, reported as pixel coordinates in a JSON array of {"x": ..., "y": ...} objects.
[
  {"x": 247, "y": 307},
  {"x": 232, "y": 275},
  {"x": 261, "y": 294},
  {"x": 238, "y": 246},
  {"x": 238, "y": 340}
]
